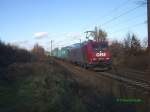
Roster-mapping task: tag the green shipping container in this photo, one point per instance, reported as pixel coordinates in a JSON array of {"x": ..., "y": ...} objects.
[
  {"x": 56, "y": 52},
  {"x": 64, "y": 52}
]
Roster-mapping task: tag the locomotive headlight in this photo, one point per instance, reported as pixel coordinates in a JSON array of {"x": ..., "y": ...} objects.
[
  {"x": 94, "y": 59},
  {"x": 107, "y": 58}
]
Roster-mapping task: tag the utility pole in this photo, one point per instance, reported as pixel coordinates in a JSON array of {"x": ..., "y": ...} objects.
[
  {"x": 148, "y": 18},
  {"x": 51, "y": 47},
  {"x": 80, "y": 42},
  {"x": 97, "y": 33}
]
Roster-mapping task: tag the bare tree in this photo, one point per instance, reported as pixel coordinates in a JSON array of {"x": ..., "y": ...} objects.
[
  {"x": 116, "y": 48},
  {"x": 131, "y": 44},
  {"x": 38, "y": 51},
  {"x": 99, "y": 34},
  {"x": 144, "y": 43},
  {"x": 102, "y": 35},
  {"x": 127, "y": 41},
  {"x": 135, "y": 44}
]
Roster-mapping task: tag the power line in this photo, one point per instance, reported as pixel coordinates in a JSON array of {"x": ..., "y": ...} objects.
[
  {"x": 117, "y": 8},
  {"x": 129, "y": 20},
  {"x": 138, "y": 24},
  {"x": 114, "y": 18},
  {"x": 64, "y": 42},
  {"x": 113, "y": 10},
  {"x": 120, "y": 6}
]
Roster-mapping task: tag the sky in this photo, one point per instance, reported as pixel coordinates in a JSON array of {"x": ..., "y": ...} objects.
[{"x": 26, "y": 22}]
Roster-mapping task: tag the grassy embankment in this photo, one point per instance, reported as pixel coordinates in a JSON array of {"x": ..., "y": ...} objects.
[
  {"x": 29, "y": 84},
  {"x": 38, "y": 87}
]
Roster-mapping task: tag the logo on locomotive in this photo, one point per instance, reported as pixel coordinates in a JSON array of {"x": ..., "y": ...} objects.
[{"x": 100, "y": 54}]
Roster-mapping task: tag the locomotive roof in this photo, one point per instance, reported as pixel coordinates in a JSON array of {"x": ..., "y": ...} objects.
[
  {"x": 75, "y": 45},
  {"x": 94, "y": 41}
]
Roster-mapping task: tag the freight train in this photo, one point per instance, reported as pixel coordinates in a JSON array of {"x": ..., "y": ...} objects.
[{"x": 89, "y": 54}]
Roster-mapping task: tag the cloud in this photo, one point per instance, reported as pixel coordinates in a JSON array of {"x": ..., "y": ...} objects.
[{"x": 40, "y": 35}]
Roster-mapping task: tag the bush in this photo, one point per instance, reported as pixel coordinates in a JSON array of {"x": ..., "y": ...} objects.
[
  {"x": 12, "y": 54},
  {"x": 39, "y": 52},
  {"x": 137, "y": 62},
  {"x": 129, "y": 53},
  {"x": 39, "y": 87}
]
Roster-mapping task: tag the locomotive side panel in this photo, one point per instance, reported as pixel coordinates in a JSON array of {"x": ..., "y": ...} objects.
[
  {"x": 76, "y": 55},
  {"x": 85, "y": 55}
]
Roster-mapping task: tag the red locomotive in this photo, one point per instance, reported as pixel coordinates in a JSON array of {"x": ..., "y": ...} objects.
[{"x": 90, "y": 54}]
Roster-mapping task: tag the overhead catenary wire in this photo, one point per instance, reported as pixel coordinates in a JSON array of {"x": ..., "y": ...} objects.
[
  {"x": 118, "y": 7},
  {"x": 128, "y": 20},
  {"x": 126, "y": 12},
  {"x": 113, "y": 10},
  {"x": 63, "y": 43},
  {"x": 138, "y": 24}
]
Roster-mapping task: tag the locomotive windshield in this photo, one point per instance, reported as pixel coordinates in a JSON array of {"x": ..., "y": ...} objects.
[{"x": 99, "y": 46}]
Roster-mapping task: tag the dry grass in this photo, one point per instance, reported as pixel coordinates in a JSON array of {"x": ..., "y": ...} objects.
[
  {"x": 38, "y": 87},
  {"x": 137, "y": 62}
]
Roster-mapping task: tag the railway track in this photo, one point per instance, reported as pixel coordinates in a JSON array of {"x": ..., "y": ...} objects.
[
  {"x": 136, "y": 83},
  {"x": 131, "y": 74},
  {"x": 118, "y": 76}
]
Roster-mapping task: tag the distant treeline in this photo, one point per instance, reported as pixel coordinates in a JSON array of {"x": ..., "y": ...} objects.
[
  {"x": 130, "y": 53},
  {"x": 10, "y": 54}
]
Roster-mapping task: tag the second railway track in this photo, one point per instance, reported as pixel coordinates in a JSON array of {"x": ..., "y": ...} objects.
[
  {"x": 134, "y": 82},
  {"x": 131, "y": 74},
  {"x": 141, "y": 84}
]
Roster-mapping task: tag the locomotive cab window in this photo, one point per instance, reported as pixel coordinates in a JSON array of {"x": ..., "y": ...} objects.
[{"x": 100, "y": 46}]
